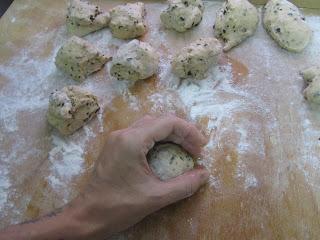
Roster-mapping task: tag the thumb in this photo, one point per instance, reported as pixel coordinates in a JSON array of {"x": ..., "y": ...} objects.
[{"x": 185, "y": 185}]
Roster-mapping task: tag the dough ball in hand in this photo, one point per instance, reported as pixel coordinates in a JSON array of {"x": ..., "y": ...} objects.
[
  {"x": 134, "y": 61},
  {"x": 236, "y": 21},
  {"x": 71, "y": 108},
  {"x": 127, "y": 21},
  {"x": 84, "y": 18},
  {"x": 168, "y": 160},
  {"x": 78, "y": 58},
  {"x": 312, "y": 92},
  {"x": 310, "y": 73},
  {"x": 286, "y": 25},
  {"x": 195, "y": 60},
  {"x": 182, "y": 15}
]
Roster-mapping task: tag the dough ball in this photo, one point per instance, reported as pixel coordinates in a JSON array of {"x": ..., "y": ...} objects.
[
  {"x": 127, "y": 21},
  {"x": 310, "y": 73},
  {"x": 78, "y": 58},
  {"x": 286, "y": 25},
  {"x": 84, "y": 18},
  {"x": 312, "y": 92},
  {"x": 182, "y": 15},
  {"x": 169, "y": 160},
  {"x": 236, "y": 21},
  {"x": 195, "y": 60},
  {"x": 134, "y": 61},
  {"x": 71, "y": 108}
]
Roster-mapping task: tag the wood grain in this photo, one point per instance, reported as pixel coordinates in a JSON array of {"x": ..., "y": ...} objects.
[{"x": 283, "y": 200}]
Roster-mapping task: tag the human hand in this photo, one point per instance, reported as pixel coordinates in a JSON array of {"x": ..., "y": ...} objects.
[{"x": 123, "y": 189}]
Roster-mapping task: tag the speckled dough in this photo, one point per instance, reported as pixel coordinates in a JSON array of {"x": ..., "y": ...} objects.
[
  {"x": 134, "y": 61},
  {"x": 312, "y": 77},
  {"x": 310, "y": 73},
  {"x": 286, "y": 25},
  {"x": 236, "y": 21},
  {"x": 182, "y": 15},
  {"x": 127, "y": 21},
  {"x": 84, "y": 18},
  {"x": 312, "y": 92},
  {"x": 169, "y": 160},
  {"x": 195, "y": 60},
  {"x": 71, "y": 108},
  {"x": 79, "y": 58}
]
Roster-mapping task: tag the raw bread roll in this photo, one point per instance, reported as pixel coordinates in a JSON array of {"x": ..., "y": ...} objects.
[
  {"x": 310, "y": 73},
  {"x": 195, "y": 60},
  {"x": 236, "y": 21},
  {"x": 71, "y": 108},
  {"x": 84, "y": 18},
  {"x": 127, "y": 21},
  {"x": 286, "y": 25},
  {"x": 79, "y": 58},
  {"x": 169, "y": 160},
  {"x": 182, "y": 15},
  {"x": 312, "y": 77},
  {"x": 312, "y": 92},
  {"x": 134, "y": 61}
]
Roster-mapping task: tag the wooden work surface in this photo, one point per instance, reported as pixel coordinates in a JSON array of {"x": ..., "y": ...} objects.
[{"x": 264, "y": 145}]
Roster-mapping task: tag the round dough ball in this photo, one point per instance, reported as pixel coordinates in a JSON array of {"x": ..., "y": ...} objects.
[
  {"x": 182, "y": 15},
  {"x": 286, "y": 25},
  {"x": 312, "y": 92},
  {"x": 236, "y": 21},
  {"x": 169, "y": 160},
  {"x": 134, "y": 61},
  {"x": 195, "y": 60}
]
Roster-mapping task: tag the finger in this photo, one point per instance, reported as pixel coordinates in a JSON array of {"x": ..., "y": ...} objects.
[
  {"x": 173, "y": 129},
  {"x": 185, "y": 185}
]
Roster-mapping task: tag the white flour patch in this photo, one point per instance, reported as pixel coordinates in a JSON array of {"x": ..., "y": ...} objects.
[
  {"x": 66, "y": 158},
  {"x": 162, "y": 102},
  {"x": 67, "y": 161},
  {"x": 29, "y": 80},
  {"x": 250, "y": 181},
  {"x": 4, "y": 187}
]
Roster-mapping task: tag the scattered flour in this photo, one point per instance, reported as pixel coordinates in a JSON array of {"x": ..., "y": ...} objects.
[
  {"x": 28, "y": 82},
  {"x": 204, "y": 99},
  {"x": 67, "y": 161},
  {"x": 4, "y": 187},
  {"x": 28, "y": 88}
]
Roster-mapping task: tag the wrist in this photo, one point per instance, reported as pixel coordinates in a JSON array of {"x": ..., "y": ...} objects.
[{"x": 88, "y": 219}]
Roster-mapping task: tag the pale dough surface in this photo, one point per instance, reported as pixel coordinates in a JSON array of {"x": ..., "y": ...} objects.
[
  {"x": 134, "y": 61},
  {"x": 286, "y": 25},
  {"x": 79, "y": 58},
  {"x": 312, "y": 78},
  {"x": 194, "y": 61},
  {"x": 236, "y": 21},
  {"x": 182, "y": 15},
  {"x": 127, "y": 21},
  {"x": 310, "y": 73},
  {"x": 169, "y": 160},
  {"x": 71, "y": 108},
  {"x": 84, "y": 18}
]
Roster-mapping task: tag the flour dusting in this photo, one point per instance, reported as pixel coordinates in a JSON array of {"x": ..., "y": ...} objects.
[{"x": 235, "y": 115}]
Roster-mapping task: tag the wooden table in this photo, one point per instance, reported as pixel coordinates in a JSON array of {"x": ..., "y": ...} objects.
[{"x": 263, "y": 152}]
